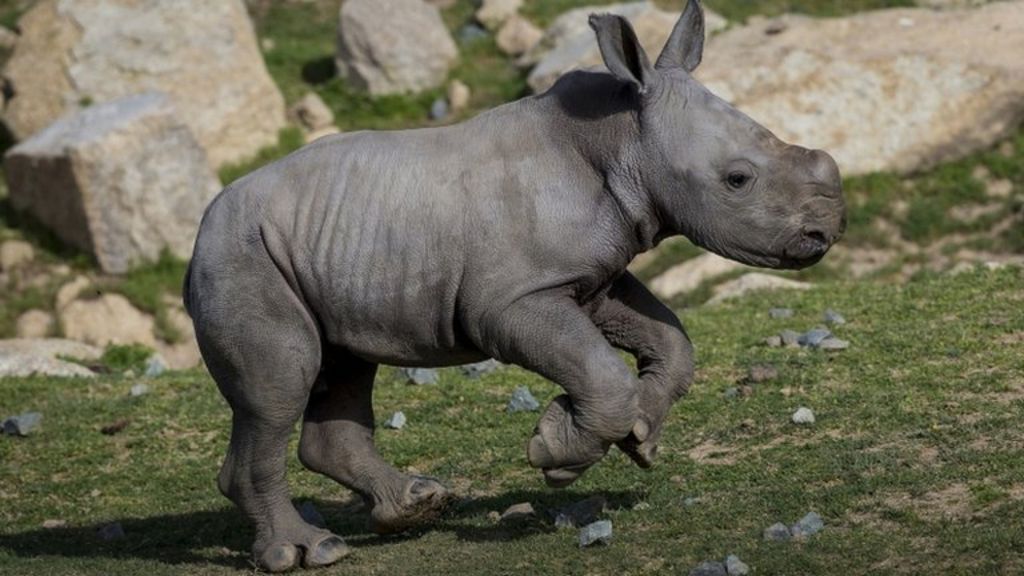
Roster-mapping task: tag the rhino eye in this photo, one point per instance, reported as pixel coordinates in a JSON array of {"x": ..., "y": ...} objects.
[{"x": 737, "y": 180}]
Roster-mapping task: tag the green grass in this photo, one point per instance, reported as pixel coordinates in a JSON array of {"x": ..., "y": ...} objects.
[{"x": 914, "y": 462}]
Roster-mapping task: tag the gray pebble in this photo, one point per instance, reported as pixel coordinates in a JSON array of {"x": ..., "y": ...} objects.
[
  {"x": 735, "y": 567},
  {"x": 155, "y": 366},
  {"x": 773, "y": 341},
  {"x": 833, "y": 318},
  {"x": 599, "y": 532},
  {"x": 709, "y": 568},
  {"x": 471, "y": 32},
  {"x": 814, "y": 338},
  {"x": 777, "y": 532},
  {"x": 522, "y": 401},
  {"x": 732, "y": 392},
  {"x": 396, "y": 421},
  {"x": 809, "y": 525},
  {"x": 479, "y": 369},
  {"x": 112, "y": 531},
  {"x": 780, "y": 313},
  {"x": 419, "y": 376},
  {"x": 691, "y": 501},
  {"x": 139, "y": 390},
  {"x": 803, "y": 416},
  {"x": 761, "y": 373},
  {"x": 309, "y": 513},
  {"x": 833, "y": 344},
  {"x": 790, "y": 339},
  {"x": 22, "y": 424},
  {"x": 439, "y": 109}
]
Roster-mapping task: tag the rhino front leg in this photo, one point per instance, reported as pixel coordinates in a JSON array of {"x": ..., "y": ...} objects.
[
  {"x": 337, "y": 441},
  {"x": 552, "y": 336},
  {"x": 634, "y": 320}
]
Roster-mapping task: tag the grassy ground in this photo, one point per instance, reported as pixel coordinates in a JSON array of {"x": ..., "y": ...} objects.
[{"x": 914, "y": 462}]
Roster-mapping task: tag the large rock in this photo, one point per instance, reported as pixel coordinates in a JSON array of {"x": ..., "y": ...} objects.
[
  {"x": 122, "y": 180},
  {"x": 19, "y": 358},
  {"x": 204, "y": 54},
  {"x": 393, "y": 46},
  {"x": 109, "y": 319},
  {"x": 570, "y": 44},
  {"x": 888, "y": 90},
  {"x": 751, "y": 282},
  {"x": 689, "y": 275}
]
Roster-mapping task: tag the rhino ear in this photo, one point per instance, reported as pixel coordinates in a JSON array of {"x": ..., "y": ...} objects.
[
  {"x": 685, "y": 47},
  {"x": 621, "y": 50}
]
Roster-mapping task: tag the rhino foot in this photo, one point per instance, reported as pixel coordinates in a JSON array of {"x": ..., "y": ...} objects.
[
  {"x": 283, "y": 556},
  {"x": 641, "y": 445},
  {"x": 560, "y": 448},
  {"x": 422, "y": 500}
]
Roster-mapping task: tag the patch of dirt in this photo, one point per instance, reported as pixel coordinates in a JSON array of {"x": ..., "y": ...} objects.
[
  {"x": 710, "y": 452},
  {"x": 954, "y": 501}
]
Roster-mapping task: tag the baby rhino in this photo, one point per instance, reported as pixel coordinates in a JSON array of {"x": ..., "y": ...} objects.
[{"x": 503, "y": 237}]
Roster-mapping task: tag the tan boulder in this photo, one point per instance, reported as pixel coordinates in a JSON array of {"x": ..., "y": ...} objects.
[
  {"x": 75, "y": 53},
  {"x": 34, "y": 324},
  {"x": 895, "y": 90},
  {"x": 312, "y": 112},
  {"x": 122, "y": 180},
  {"x": 109, "y": 319},
  {"x": 517, "y": 36},
  {"x": 493, "y": 13},
  {"x": 754, "y": 281},
  {"x": 689, "y": 275},
  {"x": 45, "y": 357},
  {"x": 15, "y": 253}
]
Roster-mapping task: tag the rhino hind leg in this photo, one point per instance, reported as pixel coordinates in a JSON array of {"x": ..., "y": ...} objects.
[
  {"x": 264, "y": 354},
  {"x": 337, "y": 441}
]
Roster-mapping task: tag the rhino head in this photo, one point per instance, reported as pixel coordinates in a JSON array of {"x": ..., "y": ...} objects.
[{"x": 712, "y": 173}]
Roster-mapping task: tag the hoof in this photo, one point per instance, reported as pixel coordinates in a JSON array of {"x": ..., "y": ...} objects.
[
  {"x": 326, "y": 552},
  {"x": 423, "y": 501},
  {"x": 640, "y": 446},
  {"x": 279, "y": 558},
  {"x": 563, "y": 477}
]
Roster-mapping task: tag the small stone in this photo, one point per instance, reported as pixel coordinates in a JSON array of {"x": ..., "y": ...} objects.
[
  {"x": 832, "y": 344},
  {"x": 312, "y": 112},
  {"x": 582, "y": 513},
  {"x": 321, "y": 132},
  {"x": 833, "y": 318},
  {"x": 641, "y": 507},
  {"x": 760, "y": 373},
  {"x": 458, "y": 95},
  {"x": 478, "y": 369},
  {"x": 493, "y": 516},
  {"x": 439, "y": 109},
  {"x": 22, "y": 424},
  {"x": 34, "y": 324},
  {"x": 746, "y": 391},
  {"x": 493, "y": 13},
  {"x": 731, "y": 392},
  {"x": 709, "y": 568},
  {"x": 70, "y": 291},
  {"x": 15, "y": 253},
  {"x": 780, "y": 313},
  {"x": 309, "y": 513},
  {"x": 518, "y": 512},
  {"x": 814, "y": 338},
  {"x": 155, "y": 366},
  {"x": 735, "y": 567},
  {"x": 518, "y": 36},
  {"x": 773, "y": 341},
  {"x": 419, "y": 376},
  {"x": 808, "y": 526},
  {"x": 95, "y": 493},
  {"x": 471, "y": 33},
  {"x": 777, "y": 532},
  {"x": 522, "y": 401},
  {"x": 599, "y": 532},
  {"x": 790, "y": 338},
  {"x": 112, "y": 531},
  {"x": 139, "y": 390},
  {"x": 51, "y": 524},
  {"x": 115, "y": 427},
  {"x": 803, "y": 416},
  {"x": 691, "y": 501},
  {"x": 395, "y": 422}
]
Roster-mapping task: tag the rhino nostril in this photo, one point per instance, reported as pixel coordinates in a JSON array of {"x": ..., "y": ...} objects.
[{"x": 817, "y": 237}]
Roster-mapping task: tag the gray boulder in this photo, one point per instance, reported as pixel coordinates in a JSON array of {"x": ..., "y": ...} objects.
[
  {"x": 393, "y": 46},
  {"x": 75, "y": 53},
  {"x": 122, "y": 180}
]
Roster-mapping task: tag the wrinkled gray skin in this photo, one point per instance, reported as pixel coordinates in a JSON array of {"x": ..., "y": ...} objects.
[{"x": 506, "y": 236}]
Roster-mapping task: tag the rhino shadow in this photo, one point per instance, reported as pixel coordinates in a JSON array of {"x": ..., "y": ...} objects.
[{"x": 222, "y": 537}]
